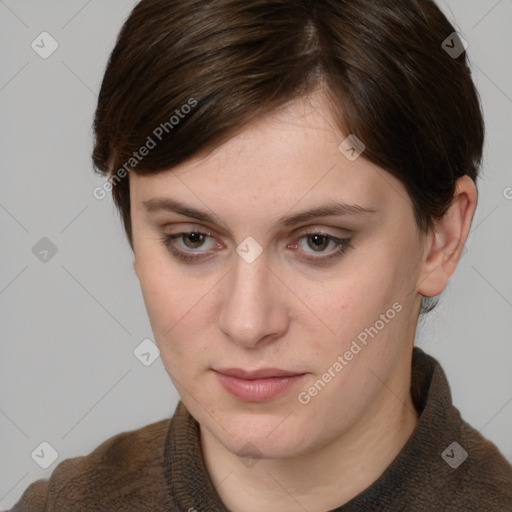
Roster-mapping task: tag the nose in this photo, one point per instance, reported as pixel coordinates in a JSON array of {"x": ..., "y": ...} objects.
[{"x": 253, "y": 310}]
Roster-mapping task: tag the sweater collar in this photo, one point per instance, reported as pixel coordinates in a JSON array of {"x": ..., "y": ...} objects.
[{"x": 438, "y": 426}]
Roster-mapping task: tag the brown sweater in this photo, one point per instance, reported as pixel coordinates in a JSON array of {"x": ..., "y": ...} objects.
[{"x": 160, "y": 467}]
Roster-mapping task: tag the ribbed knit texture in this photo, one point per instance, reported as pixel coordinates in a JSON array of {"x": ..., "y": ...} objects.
[{"x": 160, "y": 468}]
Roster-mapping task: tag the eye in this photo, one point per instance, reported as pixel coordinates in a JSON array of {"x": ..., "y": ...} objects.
[
  {"x": 319, "y": 242},
  {"x": 192, "y": 241},
  {"x": 196, "y": 240}
]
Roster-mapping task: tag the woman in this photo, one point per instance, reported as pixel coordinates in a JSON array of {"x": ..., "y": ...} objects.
[{"x": 296, "y": 180}]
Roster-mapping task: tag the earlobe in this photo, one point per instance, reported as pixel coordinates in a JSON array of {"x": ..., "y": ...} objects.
[{"x": 446, "y": 240}]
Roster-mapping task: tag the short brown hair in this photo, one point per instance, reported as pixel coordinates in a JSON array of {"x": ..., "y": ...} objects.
[{"x": 381, "y": 63}]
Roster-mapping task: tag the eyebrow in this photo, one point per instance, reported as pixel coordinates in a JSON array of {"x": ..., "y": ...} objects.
[{"x": 329, "y": 209}]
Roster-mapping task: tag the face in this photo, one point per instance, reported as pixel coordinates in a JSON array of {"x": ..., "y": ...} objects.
[{"x": 254, "y": 283}]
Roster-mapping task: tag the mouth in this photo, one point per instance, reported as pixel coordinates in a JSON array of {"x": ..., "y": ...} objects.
[{"x": 259, "y": 385}]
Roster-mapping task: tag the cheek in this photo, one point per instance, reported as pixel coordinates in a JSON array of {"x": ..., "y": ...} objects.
[
  {"x": 367, "y": 304},
  {"x": 385, "y": 273},
  {"x": 365, "y": 289},
  {"x": 175, "y": 304},
  {"x": 159, "y": 297},
  {"x": 165, "y": 292}
]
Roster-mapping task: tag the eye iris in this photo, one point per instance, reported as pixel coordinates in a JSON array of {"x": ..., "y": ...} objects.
[
  {"x": 317, "y": 242},
  {"x": 196, "y": 240}
]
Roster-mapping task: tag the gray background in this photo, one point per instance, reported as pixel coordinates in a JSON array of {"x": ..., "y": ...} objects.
[{"x": 69, "y": 326}]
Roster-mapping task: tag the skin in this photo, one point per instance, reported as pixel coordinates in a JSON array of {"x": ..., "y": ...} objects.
[{"x": 283, "y": 311}]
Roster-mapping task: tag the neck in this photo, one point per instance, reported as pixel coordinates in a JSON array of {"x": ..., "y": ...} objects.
[{"x": 326, "y": 478}]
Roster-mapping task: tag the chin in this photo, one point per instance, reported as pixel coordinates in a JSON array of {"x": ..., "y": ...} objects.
[
  {"x": 260, "y": 435},
  {"x": 280, "y": 447}
]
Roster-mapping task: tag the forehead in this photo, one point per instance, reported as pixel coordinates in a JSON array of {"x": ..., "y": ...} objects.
[{"x": 287, "y": 159}]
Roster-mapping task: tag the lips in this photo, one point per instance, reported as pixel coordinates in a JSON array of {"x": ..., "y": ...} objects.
[
  {"x": 258, "y": 385},
  {"x": 264, "y": 373}
]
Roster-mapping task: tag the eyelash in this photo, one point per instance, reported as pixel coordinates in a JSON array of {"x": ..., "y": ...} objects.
[{"x": 342, "y": 245}]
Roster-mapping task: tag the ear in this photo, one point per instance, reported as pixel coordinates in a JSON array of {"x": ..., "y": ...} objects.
[{"x": 445, "y": 242}]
